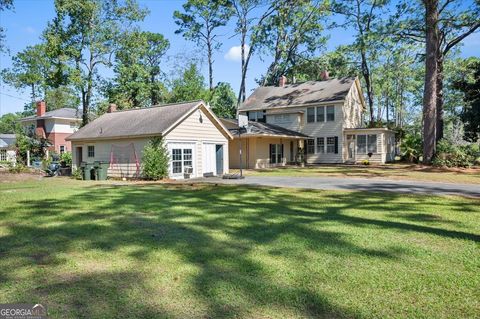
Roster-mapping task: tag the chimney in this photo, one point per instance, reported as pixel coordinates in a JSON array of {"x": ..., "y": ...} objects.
[
  {"x": 41, "y": 108},
  {"x": 282, "y": 81},
  {"x": 112, "y": 107},
  {"x": 324, "y": 75}
]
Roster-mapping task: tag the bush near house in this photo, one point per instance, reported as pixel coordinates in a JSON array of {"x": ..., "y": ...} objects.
[
  {"x": 451, "y": 155},
  {"x": 155, "y": 160}
]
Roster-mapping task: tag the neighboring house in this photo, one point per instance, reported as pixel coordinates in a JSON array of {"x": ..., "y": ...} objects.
[
  {"x": 54, "y": 125},
  {"x": 196, "y": 140},
  {"x": 7, "y": 148},
  {"x": 329, "y": 112}
]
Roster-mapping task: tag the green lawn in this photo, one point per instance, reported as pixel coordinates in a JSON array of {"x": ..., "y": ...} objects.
[
  {"x": 91, "y": 250},
  {"x": 388, "y": 171}
]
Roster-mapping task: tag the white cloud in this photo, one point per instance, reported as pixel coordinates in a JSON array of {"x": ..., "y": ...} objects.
[
  {"x": 30, "y": 30},
  {"x": 235, "y": 53}
]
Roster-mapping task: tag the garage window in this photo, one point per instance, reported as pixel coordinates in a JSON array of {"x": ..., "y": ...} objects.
[{"x": 181, "y": 158}]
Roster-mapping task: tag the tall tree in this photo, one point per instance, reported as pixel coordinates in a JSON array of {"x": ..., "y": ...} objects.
[
  {"x": 200, "y": 23},
  {"x": 189, "y": 86},
  {"x": 469, "y": 85},
  {"x": 294, "y": 33},
  {"x": 137, "y": 69},
  {"x": 456, "y": 21},
  {"x": 223, "y": 100},
  {"x": 4, "y": 5},
  {"x": 249, "y": 26},
  {"x": 85, "y": 35},
  {"x": 431, "y": 74},
  {"x": 30, "y": 70},
  {"x": 363, "y": 16}
]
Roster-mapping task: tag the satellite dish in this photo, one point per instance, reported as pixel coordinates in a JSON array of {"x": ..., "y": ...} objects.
[{"x": 242, "y": 121}]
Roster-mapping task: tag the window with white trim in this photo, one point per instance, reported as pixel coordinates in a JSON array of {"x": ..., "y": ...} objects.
[
  {"x": 91, "y": 151},
  {"x": 321, "y": 145},
  {"x": 372, "y": 143},
  {"x": 256, "y": 116},
  {"x": 310, "y": 114},
  {"x": 330, "y": 113},
  {"x": 331, "y": 145},
  {"x": 181, "y": 158},
  {"x": 310, "y": 146},
  {"x": 367, "y": 144},
  {"x": 62, "y": 149},
  {"x": 320, "y": 113}
]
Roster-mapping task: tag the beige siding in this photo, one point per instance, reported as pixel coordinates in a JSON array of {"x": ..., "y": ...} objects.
[
  {"x": 384, "y": 152},
  {"x": 353, "y": 109},
  {"x": 294, "y": 122},
  {"x": 190, "y": 132},
  {"x": 256, "y": 152}
]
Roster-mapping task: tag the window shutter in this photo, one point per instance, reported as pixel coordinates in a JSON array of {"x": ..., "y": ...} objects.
[
  {"x": 271, "y": 153},
  {"x": 336, "y": 144},
  {"x": 282, "y": 151}
]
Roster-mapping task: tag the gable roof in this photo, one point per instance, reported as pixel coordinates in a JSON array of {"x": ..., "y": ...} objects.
[
  {"x": 64, "y": 112},
  {"x": 270, "y": 97},
  {"x": 262, "y": 129},
  {"x": 151, "y": 121},
  {"x": 7, "y": 140}
]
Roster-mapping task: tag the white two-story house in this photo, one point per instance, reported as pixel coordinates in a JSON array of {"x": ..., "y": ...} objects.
[{"x": 324, "y": 120}]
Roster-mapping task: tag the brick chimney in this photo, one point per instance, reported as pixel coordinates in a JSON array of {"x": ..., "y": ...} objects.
[
  {"x": 112, "y": 107},
  {"x": 41, "y": 108},
  {"x": 282, "y": 81},
  {"x": 324, "y": 75}
]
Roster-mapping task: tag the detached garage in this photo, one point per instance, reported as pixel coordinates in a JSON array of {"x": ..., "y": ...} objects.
[{"x": 195, "y": 138}]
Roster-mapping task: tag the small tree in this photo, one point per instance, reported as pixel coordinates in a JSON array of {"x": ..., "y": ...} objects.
[{"x": 155, "y": 160}]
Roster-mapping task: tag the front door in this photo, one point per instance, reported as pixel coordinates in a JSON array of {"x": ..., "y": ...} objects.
[
  {"x": 219, "y": 157},
  {"x": 351, "y": 147},
  {"x": 79, "y": 156}
]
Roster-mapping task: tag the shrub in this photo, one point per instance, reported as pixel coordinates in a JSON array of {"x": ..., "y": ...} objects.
[
  {"x": 411, "y": 147},
  {"x": 77, "y": 174},
  {"x": 451, "y": 155},
  {"x": 18, "y": 168},
  {"x": 66, "y": 158},
  {"x": 366, "y": 162},
  {"x": 155, "y": 160}
]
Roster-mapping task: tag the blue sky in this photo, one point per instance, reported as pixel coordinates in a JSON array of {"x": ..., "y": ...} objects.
[{"x": 26, "y": 22}]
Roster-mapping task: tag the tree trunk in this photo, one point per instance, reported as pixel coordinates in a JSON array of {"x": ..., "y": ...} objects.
[
  {"x": 440, "y": 111},
  {"x": 368, "y": 83},
  {"x": 431, "y": 73},
  {"x": 210, "y": 65},
  {"x": 241, "y": 93}
]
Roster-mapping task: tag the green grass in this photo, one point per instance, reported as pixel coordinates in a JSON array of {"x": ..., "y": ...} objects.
[
  {"x": 388, "y": 171},
  {"x": 91, "y": 250}
]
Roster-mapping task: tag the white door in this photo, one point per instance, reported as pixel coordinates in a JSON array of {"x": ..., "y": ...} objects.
[{"x": 209, "y": 159}]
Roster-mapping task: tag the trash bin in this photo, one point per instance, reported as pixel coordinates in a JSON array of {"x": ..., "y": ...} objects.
[
  {"x": 101, "y": 170},
  {"x": 87, "y": 171}
]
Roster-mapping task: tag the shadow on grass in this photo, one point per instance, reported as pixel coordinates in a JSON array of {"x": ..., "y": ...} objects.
[{"x": 184, "y": 219}]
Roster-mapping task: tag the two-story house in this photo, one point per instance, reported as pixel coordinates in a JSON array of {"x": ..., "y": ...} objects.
[
  {"x": 54, "y": 125},
  {"x": 322, "y": 118}
]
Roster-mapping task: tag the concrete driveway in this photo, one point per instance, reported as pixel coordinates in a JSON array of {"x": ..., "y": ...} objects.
[{"x": 356, "y": 184}]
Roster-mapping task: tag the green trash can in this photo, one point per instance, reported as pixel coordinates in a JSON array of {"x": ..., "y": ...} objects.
[
  {"x": 87, "y": 171},
  {"x": 101, "y": 170}
]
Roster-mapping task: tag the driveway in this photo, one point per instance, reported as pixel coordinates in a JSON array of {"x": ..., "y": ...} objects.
[{"x": 355, "y": 184}]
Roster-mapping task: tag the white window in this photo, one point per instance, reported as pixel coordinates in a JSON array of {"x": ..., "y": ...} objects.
[
  {"x": 181, "y": 158},
  {"x": 330, "y": 113},
  {"x": 372, "y": 143},
  {"x": 62, "y": 149},
  {"x": 256, "y": 116},
  {"x": 321, "y": 145},
  {"x": 3, "y": 155},
  {"x": 331, "y": 145},
  {"x": 367, "y": 144},
  {"x": 321, "y": 114},
  {"x": 91, "y": 151},
  {"x": 310, "y": 146},
  {"x": 310, "y": 115},
  {"x": 276, "y": 153}
]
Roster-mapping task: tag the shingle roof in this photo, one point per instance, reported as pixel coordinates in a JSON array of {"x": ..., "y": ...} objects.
[
  {"x": 135, "y": 122},
  {"x": 7, "y": 140},
  {"x": 269, "y": 97},
  {"x": 258, "y": 128},
  {"x": 64, "y": 112}
]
